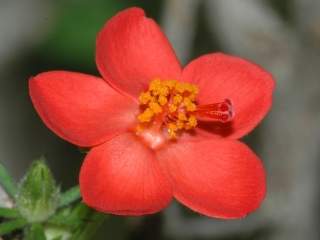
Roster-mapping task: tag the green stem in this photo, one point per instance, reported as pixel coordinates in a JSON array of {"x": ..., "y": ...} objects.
[
  {"x": 73, "y": 194},
  {"x": 10, "y": 226},
  {"x": 7, "y": 182}
]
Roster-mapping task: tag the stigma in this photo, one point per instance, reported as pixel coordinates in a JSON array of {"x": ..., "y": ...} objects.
[
  {"x": 169, "y": 107},
  {"x": 221, "y": 111}
]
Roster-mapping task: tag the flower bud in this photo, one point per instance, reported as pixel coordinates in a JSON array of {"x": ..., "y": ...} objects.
[{"x": 38, "y": 195}]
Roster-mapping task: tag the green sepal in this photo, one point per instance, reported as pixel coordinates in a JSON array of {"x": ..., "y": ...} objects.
[{"x": 38, "y": 195}]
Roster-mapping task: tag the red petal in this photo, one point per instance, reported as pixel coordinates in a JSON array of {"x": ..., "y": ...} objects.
[
  {"x": 132, "y": 50},
  {"x": 123, "y": 177},
  {"x": 219, "y": 177},
  {"x": 248, "y": 86},
  {"x": 81, "y": 109}
]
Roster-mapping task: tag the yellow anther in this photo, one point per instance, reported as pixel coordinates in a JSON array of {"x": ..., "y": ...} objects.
[
  {"x": 172, "y": 130},
  {"x": 187, "y": 101},
  {"x": 158, "y": 88},
  {"x": 170, "y": 100},
  {"x": 192, "y": 121},
  {"x": 177, "y": 99},
  {"x": 182, "y": 116},
  {"x": 172, "y": 134},
  {"x": 172, "y": 108},
  {"x": 155, "y": 107},
  {"x": 146, "y": 116},
  {"x": 195, "y": 89},
  {"x": 189, "y": 87},
  {"x": 180, "y": 124},
  {"x": 154, "y": 84},
  {"x": 192, "y": 96},
  {"x": 180, "y": 87},
  {"x": 163, "y": 90},
  {"x": 145, "y": 97},
  {"x": 191, "y": 107},
  {"x": 173, "y": 126},
  {"x": 170, "y": 83},
  {"x": 162, "y": 100}
]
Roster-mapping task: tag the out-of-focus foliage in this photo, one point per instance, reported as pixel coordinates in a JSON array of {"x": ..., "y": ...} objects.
[{"x": 71, "y": 40}]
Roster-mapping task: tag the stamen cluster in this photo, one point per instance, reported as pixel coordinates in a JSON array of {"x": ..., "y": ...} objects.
[{"x": 168, "y": 104}]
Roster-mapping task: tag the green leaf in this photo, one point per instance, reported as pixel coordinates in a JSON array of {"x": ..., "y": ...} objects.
[
  {"x": 74, "y": 217},
  {"x": 36, "y": 232},
  {"x": 94, "y": 221},
  {"x": 69, "y": 196},
  {"x": 64, "y": 218},
  {"x": 7, "y": 182},
  {"x": 9, "y": 212},
  {"x": 67, "y": 221},
  {"x": 90, "y": 222},
  {"x": 80, "y": 211},
  {"x": 12, "y": 225}
]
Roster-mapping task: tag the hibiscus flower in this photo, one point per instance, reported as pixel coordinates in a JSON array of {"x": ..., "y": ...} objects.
[{"x": 155, "y": 130}]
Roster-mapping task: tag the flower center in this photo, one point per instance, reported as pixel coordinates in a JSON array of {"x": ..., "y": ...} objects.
[{"x": 169, "y": 107}]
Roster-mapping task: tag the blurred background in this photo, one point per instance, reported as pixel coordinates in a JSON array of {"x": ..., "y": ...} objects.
[{"x": 282, "y": 36}]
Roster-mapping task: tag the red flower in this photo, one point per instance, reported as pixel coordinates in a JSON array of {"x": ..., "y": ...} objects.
[{"x": 158, "y": 131}]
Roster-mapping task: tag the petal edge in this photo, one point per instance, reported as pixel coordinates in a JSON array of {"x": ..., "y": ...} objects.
[
  {"x": 80, "y": 108},
  {"x": 132, "y": 51},
  {"x": 218, "y": 178},
  {"x": 247, "y": 85},
  {"x": 123, "y": 177}
]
